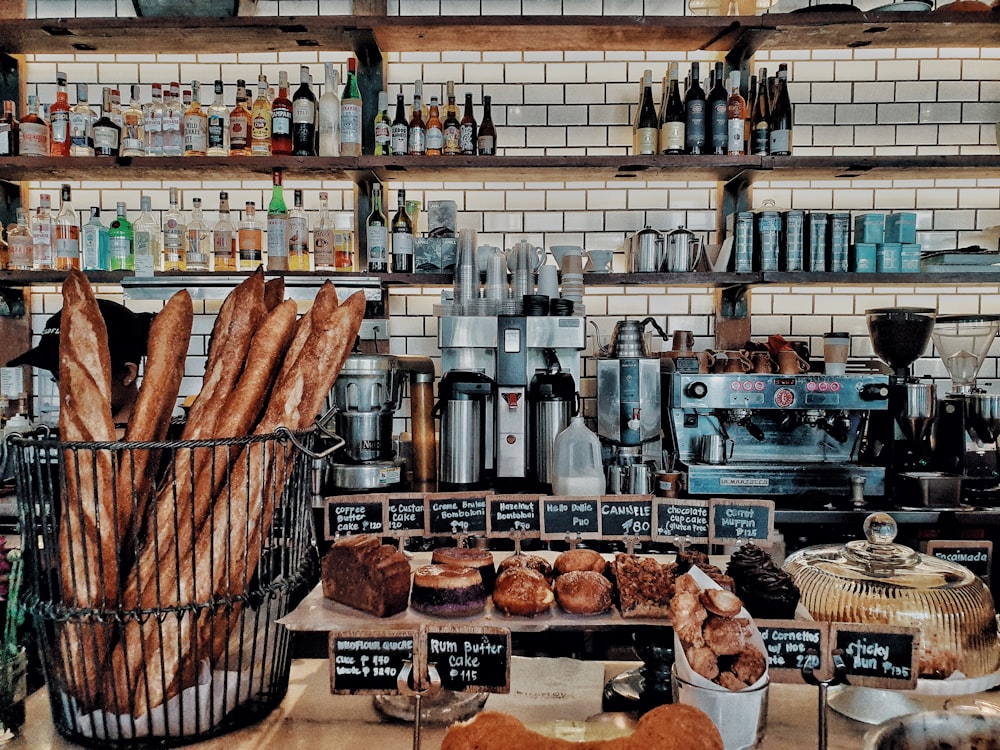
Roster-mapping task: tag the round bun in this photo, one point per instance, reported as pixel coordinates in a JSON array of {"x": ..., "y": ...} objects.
[
  {"x": 447, "y": 591},
  {"x": 523, "y": 592},
  {"x": 580, "y": 559},
  {"x": 583, "y": 592},
  {"x": 468, "y": 557},
  {"x": 534, "y": 562}
]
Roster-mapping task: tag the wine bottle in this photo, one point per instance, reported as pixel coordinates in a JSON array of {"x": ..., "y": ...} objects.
[
  {"x": 648, "y": 124},
  {"x": 781, "y": 116},
  {"x": 694, "y": 114},
  {"x": 402, "y": 237},
  {"x": 760, "y": 141},
  {"x": 736, "y": 108},
  {"x": 486, "y": 140},
  {"x": 399, "y": 131},
  {"x": 350, "y": 113},
  {"x": 304, "y": 116},
  {"x": 718, "y": 114},
  {"x": 375, "y": 224},
  {"x": 672, "y": 117}
]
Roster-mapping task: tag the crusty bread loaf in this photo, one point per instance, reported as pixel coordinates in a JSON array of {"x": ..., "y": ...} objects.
[
  {"x": 274, "y": 292},
  {"x": 365, "y": 574}
]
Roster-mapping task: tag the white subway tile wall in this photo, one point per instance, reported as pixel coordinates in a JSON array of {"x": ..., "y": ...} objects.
[{"x": 861, "y": 102}]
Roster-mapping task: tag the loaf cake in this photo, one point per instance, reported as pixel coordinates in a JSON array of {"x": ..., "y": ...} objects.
[
  {"x": 645, "y": 587},
  {"x": 365, "y": 574}
]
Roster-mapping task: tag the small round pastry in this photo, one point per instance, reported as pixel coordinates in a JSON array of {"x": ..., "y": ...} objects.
[
  {"x": 726, "y": 636},
  {"x": 534, "y": 562},
  {"x": 721, "y": 602},
  {"x": 750, "y": 665},
  {"x": 447, "y": 591},
  {"x": 468, "y": 557},
  {"x": 580, "y": 559},
  {"x": 522, "y": 592},
  {"x": 583, "y": 592}
]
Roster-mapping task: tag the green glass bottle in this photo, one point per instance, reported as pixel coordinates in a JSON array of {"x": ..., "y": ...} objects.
[{"x": 120, "y": 242}]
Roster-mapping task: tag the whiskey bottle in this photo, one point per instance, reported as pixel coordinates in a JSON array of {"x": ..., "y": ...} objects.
[
  {"x": 402, "y": 237},
  {"x": 67, "y": 233},
  {"x": 281, "y": 119},
  {"x": 378, "y": 241},
  {"x": 304, "y": 116},
  {"x": 239, "y": 125},
  {"x": 218, "y": 124},
  {"x": 199, "y": 240},
  {"x": 81, "y": 125},
  {"x": 251, "y": 239},
  {"x": 298, "y": 235},
  {"x": 59, "y": 119}
]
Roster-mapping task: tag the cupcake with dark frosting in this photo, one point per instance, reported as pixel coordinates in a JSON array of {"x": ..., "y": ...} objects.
[{"x": 767, "y": 591}]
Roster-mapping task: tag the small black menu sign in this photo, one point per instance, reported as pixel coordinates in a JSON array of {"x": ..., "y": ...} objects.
[
  {"x": 355, "y": 514},
  {"x": 674, "y": 518},
  {"x": 470, "y": 660},
  {"x": 788, "y": 643},
  {"x": 626, "y": 515},
  {"x": 369, "y": 661},
  {"x": 406, "y": 514},
  {"x": 738, "y": 521},
  {"x": 576, "y": 516},
  {"x": 975, "y": 554},
  {"x": 882, "y": 656},
  {"x": 456, "y": 513},
  {"x": 514, "y": 515}
]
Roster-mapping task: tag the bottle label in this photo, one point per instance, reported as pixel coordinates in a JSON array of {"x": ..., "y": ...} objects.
[
  {"x": 761, "y": 139},
  {"x": 378, "y": 251},
  {"x": 645, "y": 140},
  {"x": 343, "y": 249},
  {"x": 383, "y": 136},
  {"x": 21, "y": 251},
  {"x": 171, "y": 121},
  {"x": 67, "y": 247},
  {"x": 260, "y": 134},
  {"x": 143, "y": 243},
  {"x": 720, "y": 126},
  {"x": 304, "y": 110},
  {"x": 277, "y": 237},
  {"x": 153, "y": 123},
  {"x": 198, "y": 247},
  {"x": 60, "y": 126},
  {"x": 694, "y": 125},
  {"x": 34, "y": 139},
  {"x": 323, "y": 248},
  {"x": 298, "y": 236},
  {"x": 216, "y": 131},
  {"x": 735, "y": 139},
  {"x": 417, "y": 143},
  {"x": 238, "y": 132},
  {"x": 250, "y": 245},
  {"x": 41, "y": 236},
  {"x": 781, "y": 142},
  {"x": 80, "y": 130},
  {"x": 399, "y": 135},
  {"x": 120, "y": 249},
  {"x": 281, "y": 122},
  {"x": 402, "y": 243},
  {"x": 467, "y": 139},
  {"x": 195, "y": 134},
  {"x": 105, "y": 141},
  {"x": 222, "y": 247},
  {"x": 435, "y": 139},
  {"x": 350, "y": 123},
  {"x": 451, "y": 136}
]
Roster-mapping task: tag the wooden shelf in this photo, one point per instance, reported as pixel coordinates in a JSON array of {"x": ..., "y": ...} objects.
[{"x": 878, "y": 167}]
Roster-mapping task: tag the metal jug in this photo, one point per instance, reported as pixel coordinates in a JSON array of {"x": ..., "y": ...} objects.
[
  {"x": 682, "y": 251},
  {"x": 644, "y": 250}
]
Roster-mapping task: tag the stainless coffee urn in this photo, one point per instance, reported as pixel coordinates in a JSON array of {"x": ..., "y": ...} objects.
[
  {"x": 552, "y": 402},
  {"x": 464, "y": 400}
]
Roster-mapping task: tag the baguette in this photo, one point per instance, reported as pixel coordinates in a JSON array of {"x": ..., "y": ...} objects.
[{"x": 274, "y": 292}]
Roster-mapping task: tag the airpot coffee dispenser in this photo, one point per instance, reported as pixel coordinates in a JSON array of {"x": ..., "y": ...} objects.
[{"x": 465, "y": 399}]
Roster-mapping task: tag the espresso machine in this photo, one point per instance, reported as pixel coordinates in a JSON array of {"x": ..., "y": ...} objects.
[{"x": 968, "y": 424}]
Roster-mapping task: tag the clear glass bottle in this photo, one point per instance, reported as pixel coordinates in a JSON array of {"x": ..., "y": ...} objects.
[
  {"x": 402, "y": 237},
  {"x": 199, "y": 240},
  {"x": 467, "y": 129},
  {"x": 218, "y": 124},
  {"x": 195, "y": 125},
  {"x": 107, "y": 134},
  {"x": 343, "y": 241},
  {"x": 383, "y": 126},
  {"x": 435, "y": 131},
  {"x": 94, "y": 248},
  {"x": 34, "y": 136},
  {"x": 67, "y": 233},
  {"x": 43, "y": 235},
  {"x": 377, "y": 230},
  {"x": 174, "y": 236},
  {"x": 298, "y": 235},
  {"x": 133, "y": 127},
  {"x": 120, "y": 241},
  {"x": 239, "y": 123},
  {"x": 260, "y": 121},
  {"x": 281, "y": 119},
  {"x": 304, "y": 116},
  {"x": 399, "y": 130},
  {"x": 350, "y": 113},
  {"x": 10, "y": 132},
  {"x": 81, "y": 124},
  {"x": 736, "y": 109},
  {"x": 416, "y": 143},
  {"x": 251, "y": 239},
  {"x": 329, "y": 114},
  {"x": 116, "y": 110},
  {"x": 173, "y": 135},
  {"x": 451, "y": 126},
  {"x": 155, "y": 112},
  {"x": 323, "y": 236},
  {"x": 19, "y": 243},
  {"x": 486, "y": 140},
  {"x": 224, "y": 250},
  {"x": 59, "y": 119},
  {"x": 146, "y": 239},
  {"x": 277, "y": 226}
]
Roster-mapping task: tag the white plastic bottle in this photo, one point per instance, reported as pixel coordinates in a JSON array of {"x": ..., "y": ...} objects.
[{"x": 577, "y": 461}]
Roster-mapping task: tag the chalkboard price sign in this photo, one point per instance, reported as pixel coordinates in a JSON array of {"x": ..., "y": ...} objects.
[
  {"x": 514, "y": 515},
  {"x": 471, "y": 660},
  {"x": 626, "y": 515},
  {"x": 455, "y": 514},
  {"x": 680, "y": 518},
  {"x": 576, "y": 516},
  {"x": 369, "y": 661},
  {"x": 406, "y": 516},
  {"x": 882, "y": 656},
  {"x": 362, "y": 514},
  {"x": 789, "y": 643},
  {"x": 975, "y": 554},
  {"x": 738, "y": 521}
]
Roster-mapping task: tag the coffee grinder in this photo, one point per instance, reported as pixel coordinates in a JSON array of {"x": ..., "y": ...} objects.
[{"x": 968, "y": 425}]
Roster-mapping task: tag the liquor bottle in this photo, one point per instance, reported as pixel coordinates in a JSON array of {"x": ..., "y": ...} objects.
[
  {"x": 174, "y": 236},
  {"x": 277, "y": 226},
  {"x": 672, "y": 119},
  {"x": 146, "y": 239},
  {"x": 648, "y": 125},
  {"x": 67, "y": 233},
  {"x": 173, "y": 136},
  {"x": 107, "y": 135},
  {"x": 195, "y": 125},
  {"x": 748, "y": 121},
  {"x": 323, "y": 242},
  {"x": 199, "y": 240},
  {"x": 402, "y": 237},
  {"x": 736, "y": 108},
  {"x": 10, "y": 131},
  {"x": 467, "y": 129},
  {"x": 281, "y": 119},
  {"x": 350, "y": 113},
  {"x": 116, "y": 109},
  {"x": 94, "y": 253},
  {"x": 224, "y": 238},
  {"x": 34, "y": 136},
  {"x": 416, "y": 139},
  {"x": 486, "y": 141},
  {"x": 42, "y": 235},
  {"x": 435, "y": 135},
  {"x": 329, "y": 114},
  {"x": 239, "y": 123},
  {"x": 378, "y": 241},
  {"x": 399, "y": 131},
  {"x": 218, "y": 124},
  {"x": 133, "y": 127},
  {"x": 250, "y": 237},
  {"x": 59, "y": 119},
  {"x": 450, "y": 127},
  {"x": 81, "y": 125},
  {"x": 260, "y": 121},
  {"x": 19, "y": 244},
  {"x": 383, "y": 126},
  {"x": 718, "y": 114},
  {"x": 298, "y": 235},
  {"x": 153, "y": 115},
  {"x": 304, "y": 117},
  {"x": 760, "y": 131},
  {"x": 343, "y": 242},
  {"x": 781, "y": 116},
  {"x": 120, "y": 239}
]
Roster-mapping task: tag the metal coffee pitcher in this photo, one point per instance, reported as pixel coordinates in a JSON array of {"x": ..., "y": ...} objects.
[
  {"x": 682, "y": 251},
  {"x": 644, "y": 250}
]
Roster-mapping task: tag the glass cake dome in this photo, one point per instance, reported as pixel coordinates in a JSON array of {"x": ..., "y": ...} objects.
[{"x": 877, "y": 581}]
